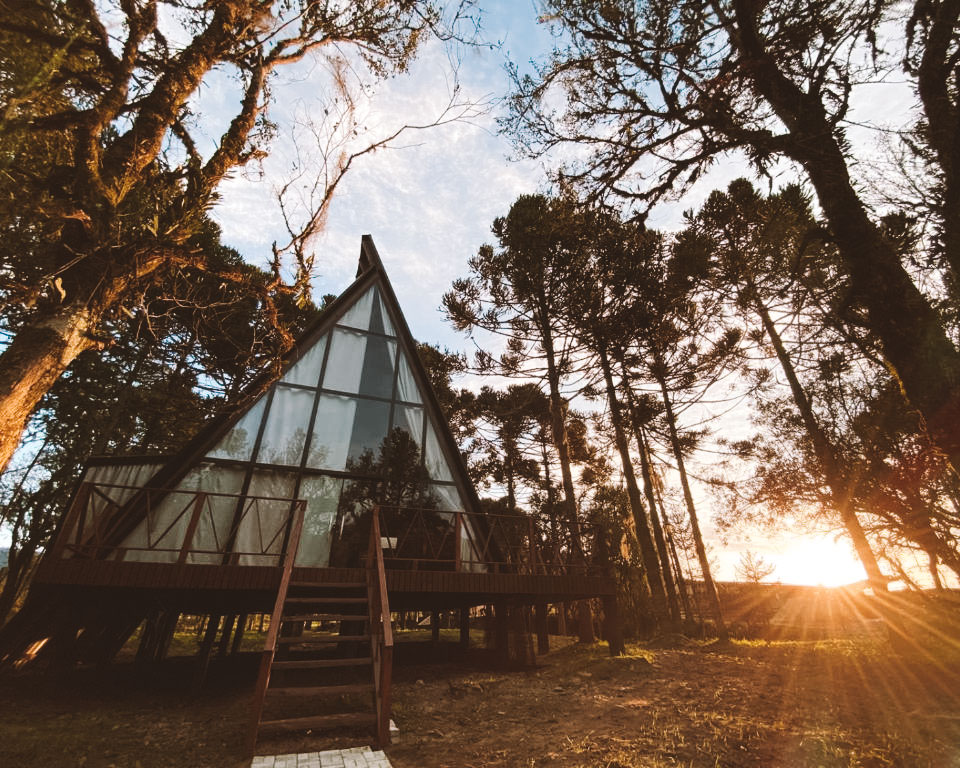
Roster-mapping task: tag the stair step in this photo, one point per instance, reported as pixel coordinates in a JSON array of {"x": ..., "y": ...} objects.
[
  {"x": 320, "y": 663},
  {"x": 328, "y": 585},
  {"x": 322, "y": 690},
  {"x": 325, "y": 600},
  {"x": 321, "y": 640},
  {"x": 327, "y": 617},
  {"x": 322, "y": 721}
]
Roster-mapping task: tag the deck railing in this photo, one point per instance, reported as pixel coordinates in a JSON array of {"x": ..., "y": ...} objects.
[
  {"x": 429, "y": 539},
  {"x": 206, "y": 527},
  {"x": 381, "y": 631},
  {"x": 175, "y": 526}
]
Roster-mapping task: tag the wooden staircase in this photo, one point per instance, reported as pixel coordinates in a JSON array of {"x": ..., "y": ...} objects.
[{"x": 320, "y": 682}]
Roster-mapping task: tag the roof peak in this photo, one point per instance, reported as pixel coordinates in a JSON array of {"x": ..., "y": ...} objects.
[{"x": 369, "y": 257}]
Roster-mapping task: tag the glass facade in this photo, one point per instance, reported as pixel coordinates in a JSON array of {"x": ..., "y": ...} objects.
[{"x": 344, "y": 428}]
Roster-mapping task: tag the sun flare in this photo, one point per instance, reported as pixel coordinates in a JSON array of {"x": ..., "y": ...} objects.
[{"x": 818, "y": 560}]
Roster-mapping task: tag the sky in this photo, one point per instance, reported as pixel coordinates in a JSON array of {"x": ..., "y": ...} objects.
[{"x": 429, "y": 202}]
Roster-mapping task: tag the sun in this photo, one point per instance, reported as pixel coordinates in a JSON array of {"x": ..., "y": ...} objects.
[{"x": 816, "y": 560}]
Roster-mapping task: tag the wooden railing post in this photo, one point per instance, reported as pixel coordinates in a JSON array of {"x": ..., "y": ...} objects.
[
  {"x": 192, "y": 526},
  {"x": 70, "y": 524},
  {"x": 457, "y": 549},
  {"x": 381, "y": 633},
  {"x": 270, "y": 646}
]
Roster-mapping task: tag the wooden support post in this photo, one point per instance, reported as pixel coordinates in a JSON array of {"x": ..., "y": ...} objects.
[
  {"x": 612, "y": 628},
  {"x": 148, "y": 638},
  {"x": 116, "y": 637},
  {"x": 238, "y": 634},
  {"x": 225, "y": 636},
  {"x": 465, "y": 627},
  {"x": 434, "y": 627},
  {"x": 166, "y": 626},
  {"x": 543, "y": 631},
  {"x": 562, "y": 619},
  {"x": 63, "y": 642},
  {"x": 502, "y": 631},
  {"x": 585, "y": 622},
  {"x": 206, "y": 647}
]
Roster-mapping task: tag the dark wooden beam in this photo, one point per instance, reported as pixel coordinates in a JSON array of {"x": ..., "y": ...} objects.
[
  {"x": 543, "y": 630},
  {"x": 465, "y": 627}
]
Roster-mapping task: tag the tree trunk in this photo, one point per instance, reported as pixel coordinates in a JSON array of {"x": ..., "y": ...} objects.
[
  {"x": 668, "y": 533},
  {"x": 551, "y": 505},
  {"x": 708, "y": 583},
  {"x": 651, "y": 563},
  {"x": 662, "y": 552},
  {"x": 658, "y": 534},
  {"x": 34, "y": 360},
  {"x": 841, "y": 489},
  {"x": 558, "y": 423},
  {"x": 18, "y": 567}
]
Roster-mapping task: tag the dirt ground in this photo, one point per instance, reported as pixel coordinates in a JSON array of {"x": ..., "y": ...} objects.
[{"x": 681, "y": 703}]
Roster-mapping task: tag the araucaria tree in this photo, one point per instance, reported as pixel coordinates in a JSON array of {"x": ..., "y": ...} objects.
[
  {"x": 654, "y": 91},
  {"x": 105, "y": 176},
  {"x": 519, "y": 290}
]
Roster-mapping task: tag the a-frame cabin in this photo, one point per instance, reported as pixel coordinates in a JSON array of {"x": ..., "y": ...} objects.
[{"x": 336, "y": 496}]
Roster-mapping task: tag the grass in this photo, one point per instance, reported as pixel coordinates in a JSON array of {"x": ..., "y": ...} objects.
[{"x": 788, "y": 704}]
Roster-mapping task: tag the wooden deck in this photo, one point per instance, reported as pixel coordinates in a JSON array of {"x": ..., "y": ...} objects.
[{"x": 201, "y": 588}]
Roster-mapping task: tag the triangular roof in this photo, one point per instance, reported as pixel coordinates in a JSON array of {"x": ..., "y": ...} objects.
[{"x": 333, "y": 380}]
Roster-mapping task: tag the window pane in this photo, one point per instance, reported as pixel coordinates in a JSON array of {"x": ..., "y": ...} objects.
[
  {"x": 345, "y": 364},
  {"x": 330, "y": 441},
  {"x": 264, "y": 524},
  {"x": 360, "y": 364},
  {"x": 322, "y": 495},
  {"x": 213, "y": 529},
  {"x": 306, "y": 370},
  {"x": 376, "y": 379},
  {"x": 379, "y": 319},
  {"x": 238, "y": 442},
  {"x": 369, "y": 430},
  {"x": 410, "y": 419},
  {"x": 351, "y": 532},
  {"x": 166, "y": 524},
  {"x": 447, "y": 497},
  {"x": 358, "y": 316},
  {"x": 286, "y": 428},
  {"x": 406, "y": 386},
  {"x": 436, "y": 463}
]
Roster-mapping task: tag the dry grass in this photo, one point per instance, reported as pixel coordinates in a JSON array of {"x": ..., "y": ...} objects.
[
  {"x": 679, "y": 703},
  {"x": 783, "y": 704}
]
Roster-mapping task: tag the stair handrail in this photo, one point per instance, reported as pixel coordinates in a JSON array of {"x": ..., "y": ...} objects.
[
  {"x": 270, "y": 645},
  {"x": 381, "y": 632}
]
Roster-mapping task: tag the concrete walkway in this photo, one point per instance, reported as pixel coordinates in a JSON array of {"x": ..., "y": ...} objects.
[{"x": 355, "y": 757}]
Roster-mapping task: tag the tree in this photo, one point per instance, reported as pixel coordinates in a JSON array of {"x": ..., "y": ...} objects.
[
  {"x": 513, "y": 414},
  {"x": 657, "y": 90},
  {"x": 599, "y": 314},
  {"x": 146, "y": 394},
  {"x": 677, "y": 343},
  {"x": 106, "y": 180},
  {"x": 518, "y": 291},
  {"x": 753, "y": 568},
  {"x": 758, "y": 248}
]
